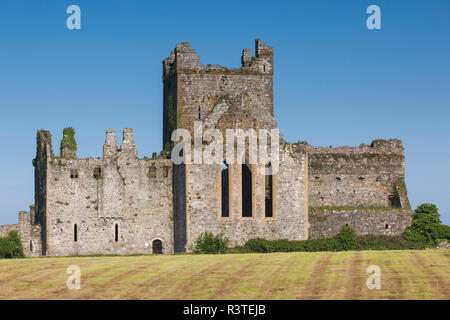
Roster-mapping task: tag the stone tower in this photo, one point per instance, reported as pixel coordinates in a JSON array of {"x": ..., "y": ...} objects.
[{"x": 218, "y": 96}]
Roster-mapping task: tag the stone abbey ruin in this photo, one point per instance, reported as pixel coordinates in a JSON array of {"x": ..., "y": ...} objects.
[{"x": 120, "y": 204}]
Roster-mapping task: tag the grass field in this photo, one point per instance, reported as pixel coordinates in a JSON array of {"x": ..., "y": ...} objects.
[{"x": 322, "y": 275}]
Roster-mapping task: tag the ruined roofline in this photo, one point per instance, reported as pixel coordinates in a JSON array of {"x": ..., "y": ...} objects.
[
  {"x": 184, "y": 59},
  {"x": 376, "y": 146},
  {"x": 68, "y": 150}
]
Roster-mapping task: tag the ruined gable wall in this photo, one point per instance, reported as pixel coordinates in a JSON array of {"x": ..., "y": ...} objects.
[
  {"x": 290, "y": 190},
  {"x": 126, "y": 194}
]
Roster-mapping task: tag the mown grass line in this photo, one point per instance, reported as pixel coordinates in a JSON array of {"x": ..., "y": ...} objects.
[{"x": 405, "y": 274}]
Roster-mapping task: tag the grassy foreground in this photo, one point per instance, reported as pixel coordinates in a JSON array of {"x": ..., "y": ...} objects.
[{"x": 321, "y": 275}]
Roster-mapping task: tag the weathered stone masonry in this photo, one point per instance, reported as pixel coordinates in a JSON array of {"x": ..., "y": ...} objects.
[
  {"x": 93, "y": 197},
  {"x": 122, "y": 204}
]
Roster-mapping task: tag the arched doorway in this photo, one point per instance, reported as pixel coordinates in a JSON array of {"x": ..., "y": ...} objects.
[{"x": 157, "y": 246}]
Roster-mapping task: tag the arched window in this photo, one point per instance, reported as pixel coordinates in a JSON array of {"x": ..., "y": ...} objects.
[
  {"x": 225, "y": 191},
  {"x": 75, "y": 233},
  {"x": 246, "y": 191},
  {"x": 116, "y": 233},
  {"x": 157, "y": 246},
  {"x": 268, "y": 192}
]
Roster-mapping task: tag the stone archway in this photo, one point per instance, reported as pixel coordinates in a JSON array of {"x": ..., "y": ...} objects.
[{"x": 157, "y": 246}]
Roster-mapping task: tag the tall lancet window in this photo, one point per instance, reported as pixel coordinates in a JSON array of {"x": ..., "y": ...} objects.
[
  {"x": 225, "y": 191},
  {"x": 246, "y": 191},
  {"x": 269, "y": 192}
]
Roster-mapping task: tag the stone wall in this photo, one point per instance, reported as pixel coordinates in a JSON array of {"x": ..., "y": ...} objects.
[
  {"x": 5, "y": 229},
  {"x": 29, "y": 233},
  {"x": 92, "y": 196},
  {"x": 368, "y": 175},
  {"x": 326, "y": 223},
  {"x": 360, "y": 186}
]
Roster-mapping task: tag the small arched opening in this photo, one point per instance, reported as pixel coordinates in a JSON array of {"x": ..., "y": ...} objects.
[{"x": 157, "y": 246}]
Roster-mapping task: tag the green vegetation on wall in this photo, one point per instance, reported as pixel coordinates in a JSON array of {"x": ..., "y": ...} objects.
[
  {"x": 68, "y": 141},
  {"x": 402, "y": 193},
  {"x": 351, "y": 208}
]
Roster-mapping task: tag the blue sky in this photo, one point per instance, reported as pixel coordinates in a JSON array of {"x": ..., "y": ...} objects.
[{"x": 336, "y": 82}]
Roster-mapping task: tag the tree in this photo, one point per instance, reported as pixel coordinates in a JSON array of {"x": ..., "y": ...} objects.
[{"x": 425, "y": 225}]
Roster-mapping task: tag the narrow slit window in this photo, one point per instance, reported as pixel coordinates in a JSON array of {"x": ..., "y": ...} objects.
[
  {"x": 75, "y": 233},
  {"x": 165, "y": 172},
  {"x": 31, "y": 246},
  {"x": 116, "y": 233},
  {"x": 246, "y": 191},
  {"x": 199, "y": 113},
  {"x": 225, "y": 190}
]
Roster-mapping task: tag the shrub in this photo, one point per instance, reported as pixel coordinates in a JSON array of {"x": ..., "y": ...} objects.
[
  {"x": 346, "y": 239},
  {"x": 11, "y": 246},
  {"x": 256, "y": 245},
  {"x": 208, "y": 243}
]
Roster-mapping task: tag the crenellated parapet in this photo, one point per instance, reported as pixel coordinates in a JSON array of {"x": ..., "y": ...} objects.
[{"x": 184, "y": 59}]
